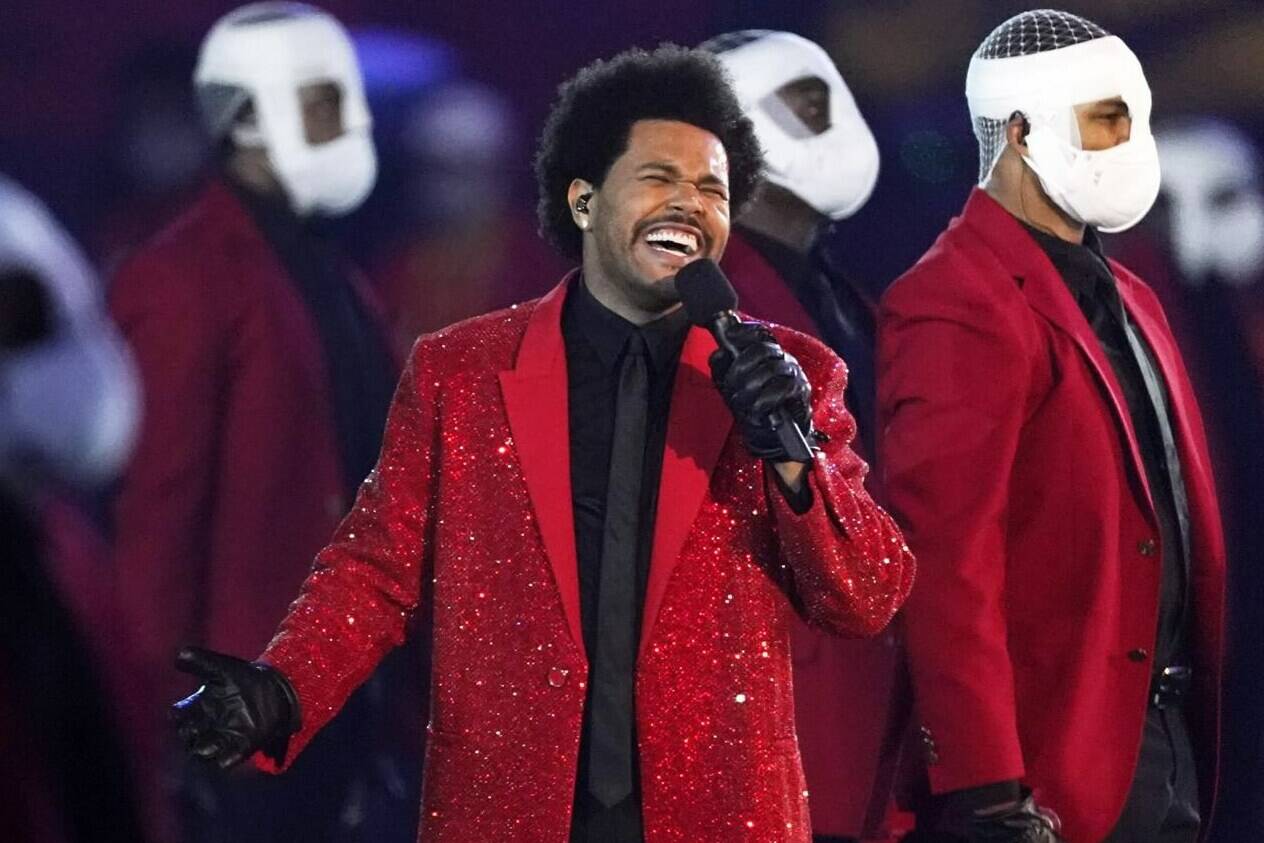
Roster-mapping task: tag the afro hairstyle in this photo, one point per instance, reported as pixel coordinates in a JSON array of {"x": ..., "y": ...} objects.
[{"x": 589, "y": 125}]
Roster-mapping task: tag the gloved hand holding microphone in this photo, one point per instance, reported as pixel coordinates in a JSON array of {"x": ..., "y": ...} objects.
[{"x": 764, "y": 386}]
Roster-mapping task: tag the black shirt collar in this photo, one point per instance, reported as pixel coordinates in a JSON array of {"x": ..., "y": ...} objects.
[
  {"x": 1081, "y": 265},
  {"x": 607, "y": 332}
]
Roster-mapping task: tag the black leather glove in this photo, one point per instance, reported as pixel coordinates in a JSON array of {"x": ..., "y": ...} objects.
[
  {"x": 242, "y": 707},
  {"x": 1016, "y": 822},
  {"x": 759, "y": 380}
]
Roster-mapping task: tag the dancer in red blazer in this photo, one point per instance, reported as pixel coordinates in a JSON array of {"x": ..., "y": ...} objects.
[
  {"x": 266, "y": 374},
  {"x": 481, "y": 508},
  {"x": 1044, "y": 452}
]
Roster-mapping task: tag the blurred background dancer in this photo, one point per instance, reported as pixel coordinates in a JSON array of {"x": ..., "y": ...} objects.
[
  {"x": 788, "y": 267},
  {"x": 269, "y": 370},
  {"x": 68, "y": 405}
]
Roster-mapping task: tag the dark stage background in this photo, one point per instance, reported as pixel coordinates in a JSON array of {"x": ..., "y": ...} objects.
[{"x": 99, "y": 123}]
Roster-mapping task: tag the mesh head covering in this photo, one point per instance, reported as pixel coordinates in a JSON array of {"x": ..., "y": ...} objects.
[{"x": 1025, "y": 34}]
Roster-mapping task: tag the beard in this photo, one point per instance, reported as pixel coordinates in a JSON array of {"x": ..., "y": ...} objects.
[{"x": 614, "y": 259}]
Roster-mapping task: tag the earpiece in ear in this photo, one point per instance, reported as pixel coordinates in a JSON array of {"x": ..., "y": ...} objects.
[
  {"x": 581, "y": 204},
  {"x": 1026, "y": 122}
]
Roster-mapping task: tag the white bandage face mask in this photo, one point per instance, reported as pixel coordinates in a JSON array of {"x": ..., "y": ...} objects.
[
  {"x": 1110, "y": 189},
  {"x": 69, "y": 406},
  {"x": 69, "y": 402},
  {"x": 1211, "y": 178},
  {"x": 834, "y": 171},
  {"x": 271, "y": 51}
]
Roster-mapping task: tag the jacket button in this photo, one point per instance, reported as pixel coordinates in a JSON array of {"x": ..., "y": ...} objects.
[
  {"x": 1138, "y": 655},
  {"x": 1147, "y": 547},
  {"x": 557, "y": 676}
]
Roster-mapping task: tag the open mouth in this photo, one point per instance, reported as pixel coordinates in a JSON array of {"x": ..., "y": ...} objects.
[{"x": 679, "y": 241}]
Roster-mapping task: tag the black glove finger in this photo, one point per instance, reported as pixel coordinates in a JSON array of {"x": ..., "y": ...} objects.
[
  {"x": 740, "y": 336},
  {"x": 747, "y": 391},
  {"x": 204, "y": 664},
  {"x": 209, "y": 746},
  {"x": 230, "y": 759},
  {"x": 749, "y": 354},
  {"x": 190, "y": 710},
  {"x": 796, "y": 399},
  {"x": 193, "y": 717},
  {"x": 720, "y": 361},
  {"x": 794, "y": 364},
  {"x": 186, "y": 708},
  {"x": 788, "y": 391},
  {"x": 752, "y": 358},
  {"x": 234, "y": 747},
  {"x": 779, "y": 392},
  {"x": 192, "y": 733},
  {"x": 743, "y": 334}
]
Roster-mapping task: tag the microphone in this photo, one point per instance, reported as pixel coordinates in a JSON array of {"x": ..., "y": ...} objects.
[{"x": 709, "y": 301}]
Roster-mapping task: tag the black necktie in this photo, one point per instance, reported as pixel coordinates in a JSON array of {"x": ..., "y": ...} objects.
[{"x": 614, "y": 663}]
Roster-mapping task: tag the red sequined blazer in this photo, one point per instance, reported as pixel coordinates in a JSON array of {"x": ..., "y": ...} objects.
[{"x": 469, "y": 511}]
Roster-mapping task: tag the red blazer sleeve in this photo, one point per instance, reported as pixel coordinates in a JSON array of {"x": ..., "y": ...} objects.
[
  {"x": 954, "y": 366},
  {"x": 852, "y": 569},
  {"x": 356, "y": 603},
  {"x": 162, "y": 506}
]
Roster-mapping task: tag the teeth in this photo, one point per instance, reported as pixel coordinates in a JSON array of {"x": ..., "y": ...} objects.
[{"x": 688, "y": 242}]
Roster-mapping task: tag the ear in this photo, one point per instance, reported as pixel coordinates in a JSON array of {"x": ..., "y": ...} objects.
[
  {"x": 1016, "y": 130},
  {"x": 580, "y": 196}
]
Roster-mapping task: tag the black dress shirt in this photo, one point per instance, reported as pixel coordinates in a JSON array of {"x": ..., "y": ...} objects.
[
  {"x": 1092, "y": 284},
  {"x": 595, "y": 337},
  {"x": 362, "y": 372}
]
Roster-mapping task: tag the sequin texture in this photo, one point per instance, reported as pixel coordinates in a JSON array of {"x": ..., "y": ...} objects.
[{"x": 448, "y": 518}]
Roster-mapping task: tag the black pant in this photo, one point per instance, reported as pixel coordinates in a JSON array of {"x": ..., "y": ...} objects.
[{"x": 1162, "y": 804}]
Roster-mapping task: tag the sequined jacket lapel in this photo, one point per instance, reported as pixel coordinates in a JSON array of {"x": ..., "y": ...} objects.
[{"x": 535, "y": 396}]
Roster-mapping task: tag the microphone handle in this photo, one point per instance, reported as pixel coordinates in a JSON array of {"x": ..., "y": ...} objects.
[{"x": 792, "y": 439}]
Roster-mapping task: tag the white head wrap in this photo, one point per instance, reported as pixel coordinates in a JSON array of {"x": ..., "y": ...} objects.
[
  {"x": 834, "y": 171},
  {"x": 69, "y": 402},
  {"x": 1212, "y": 180},
  {"x": 264, "y": 53},
  {"x": 1043, "y": 64}
]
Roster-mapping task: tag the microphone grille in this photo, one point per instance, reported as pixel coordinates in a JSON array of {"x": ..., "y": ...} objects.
[{"x": 704, "y": 291}]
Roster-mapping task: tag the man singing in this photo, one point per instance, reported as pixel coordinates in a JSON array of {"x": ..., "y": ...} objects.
[
  {"x": 593, "y": 503},
  {"x": 1044, "y": 451}
]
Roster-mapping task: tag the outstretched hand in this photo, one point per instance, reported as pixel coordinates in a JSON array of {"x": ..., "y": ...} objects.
[{"x": 242, "y": 708}]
